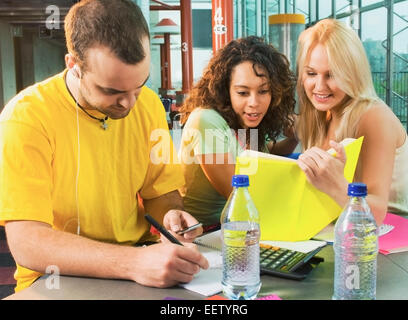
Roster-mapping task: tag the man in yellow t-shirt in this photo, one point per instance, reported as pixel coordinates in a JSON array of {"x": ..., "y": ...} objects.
[{"x": 76, "y": 151}]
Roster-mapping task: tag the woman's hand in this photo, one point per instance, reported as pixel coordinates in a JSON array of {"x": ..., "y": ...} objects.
[{"x": 326, "y": 172}]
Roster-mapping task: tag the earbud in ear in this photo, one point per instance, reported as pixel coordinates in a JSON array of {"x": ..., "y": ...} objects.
[{"x": 77, "y": 71}]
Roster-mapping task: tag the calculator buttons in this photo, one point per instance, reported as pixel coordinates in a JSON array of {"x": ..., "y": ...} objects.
[{"x": 282, "y": 262}]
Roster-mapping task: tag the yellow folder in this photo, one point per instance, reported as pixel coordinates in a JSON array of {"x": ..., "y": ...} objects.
[{"x": 290, "y": 208}]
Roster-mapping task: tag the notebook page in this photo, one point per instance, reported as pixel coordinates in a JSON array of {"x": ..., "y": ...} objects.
[
  {"x": 214, "y": 257},
  {"x": 327, "y": 234},
  {"x": 210, "y": 240},
  {"x": 208, "y": 282}
]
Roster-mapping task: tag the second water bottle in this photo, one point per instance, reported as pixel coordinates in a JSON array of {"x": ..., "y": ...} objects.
[{"x": 355, "y": 248}]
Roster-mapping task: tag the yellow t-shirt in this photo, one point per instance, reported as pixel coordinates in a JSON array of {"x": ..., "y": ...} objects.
[{"x": 58, "y": 164}]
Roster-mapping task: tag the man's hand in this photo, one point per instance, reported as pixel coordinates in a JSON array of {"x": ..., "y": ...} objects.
[
  {"x": 176, "y": 220},
  {"x": 169, "y": 207},
  {"x": 166, "y": 264}
]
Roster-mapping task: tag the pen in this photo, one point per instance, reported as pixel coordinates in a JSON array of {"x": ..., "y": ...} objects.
[
  {"x": 190, "y": 228},
  {"x": 161, "y": 229}
]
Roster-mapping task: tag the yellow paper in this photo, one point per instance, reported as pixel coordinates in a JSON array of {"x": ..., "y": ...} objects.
[{"x": 290, "y": 208}]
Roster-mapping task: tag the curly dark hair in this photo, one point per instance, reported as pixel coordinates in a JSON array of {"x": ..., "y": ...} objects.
[{"x": 212, "y": 90}]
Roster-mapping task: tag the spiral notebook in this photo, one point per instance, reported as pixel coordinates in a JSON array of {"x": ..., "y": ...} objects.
[
  {"x": 213, "y": 241},
  {"x": 210, "y": 240},
  {"x": 292, "y": 260}
]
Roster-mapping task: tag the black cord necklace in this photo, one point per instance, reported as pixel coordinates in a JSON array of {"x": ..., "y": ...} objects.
[{"x": 104, "y": 124}]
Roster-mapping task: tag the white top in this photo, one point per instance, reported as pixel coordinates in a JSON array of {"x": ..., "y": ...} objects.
[{"x": 398, "y": 199}]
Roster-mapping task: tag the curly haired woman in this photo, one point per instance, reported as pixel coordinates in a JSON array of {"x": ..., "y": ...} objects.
[{"x": 244, "y": 100}]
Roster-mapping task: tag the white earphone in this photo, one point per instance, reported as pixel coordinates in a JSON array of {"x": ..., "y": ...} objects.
[{"x": 77, "y": 71}]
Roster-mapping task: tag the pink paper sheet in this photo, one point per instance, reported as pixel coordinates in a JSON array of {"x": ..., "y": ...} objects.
[{"x": 397, "y": 239}]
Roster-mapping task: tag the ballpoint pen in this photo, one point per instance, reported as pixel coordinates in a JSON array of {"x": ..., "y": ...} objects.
[
  {"x": 190, "y": 228},
  {"x": 161, "y": 229}
]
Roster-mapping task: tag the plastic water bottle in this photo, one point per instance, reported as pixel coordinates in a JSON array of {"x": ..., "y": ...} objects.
[
  {"x": 355, "y": 249},
  {"x": 240, "y": 249}
]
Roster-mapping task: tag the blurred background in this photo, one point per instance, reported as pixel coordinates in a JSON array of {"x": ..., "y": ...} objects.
[
  {"x": 184, "y": 35},
  {"x": 32, "y": 44}
]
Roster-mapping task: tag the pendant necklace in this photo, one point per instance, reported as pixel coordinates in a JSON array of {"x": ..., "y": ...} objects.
[{"x": 104, "y": 124}]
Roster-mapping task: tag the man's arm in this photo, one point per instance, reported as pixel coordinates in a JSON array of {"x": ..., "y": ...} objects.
[
  {"x": 35, "y": 245},
  {"x": 161, "y": 205}
]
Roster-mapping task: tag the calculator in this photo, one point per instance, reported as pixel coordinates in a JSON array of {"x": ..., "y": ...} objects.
[{"x": 287, "y": 263}]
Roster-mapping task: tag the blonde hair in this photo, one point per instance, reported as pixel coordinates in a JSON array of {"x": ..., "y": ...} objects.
[{"x": 349, "y": 66}]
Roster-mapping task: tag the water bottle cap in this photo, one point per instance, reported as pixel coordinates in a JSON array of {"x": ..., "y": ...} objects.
[
  {"x": 240, "y": 180},
  {"x": 357, "y": 189}
]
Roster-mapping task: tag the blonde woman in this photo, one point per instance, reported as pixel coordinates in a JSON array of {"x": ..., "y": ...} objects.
[{"x": 337, "y": 100}]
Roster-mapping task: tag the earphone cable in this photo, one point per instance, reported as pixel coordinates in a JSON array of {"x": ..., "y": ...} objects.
[{"x": 78, "y": 167}]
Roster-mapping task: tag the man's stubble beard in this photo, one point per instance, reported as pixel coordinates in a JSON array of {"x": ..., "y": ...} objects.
[{"x": 88, "y": 104}]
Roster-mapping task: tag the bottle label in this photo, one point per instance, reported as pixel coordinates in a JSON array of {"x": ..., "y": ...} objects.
[{"x": 234, "y": 238}]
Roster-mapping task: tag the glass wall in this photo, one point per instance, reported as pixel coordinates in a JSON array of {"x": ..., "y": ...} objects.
[
  {"x": 400, "y": 48},
  {"x": 368, "y": 2},
  {"x": 373, "y": 34},
  {"x": 381, "y": 25}
]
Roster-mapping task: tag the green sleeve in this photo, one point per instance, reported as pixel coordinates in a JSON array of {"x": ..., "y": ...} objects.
[{"x": 209, "y": 133}]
